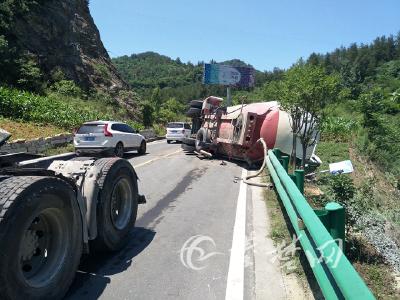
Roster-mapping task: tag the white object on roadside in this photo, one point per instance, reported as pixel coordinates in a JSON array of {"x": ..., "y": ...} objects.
[{"x": 342, "y": 167}]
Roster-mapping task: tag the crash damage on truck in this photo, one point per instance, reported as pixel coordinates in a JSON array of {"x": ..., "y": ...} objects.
[{"x": 233, "y": 131}]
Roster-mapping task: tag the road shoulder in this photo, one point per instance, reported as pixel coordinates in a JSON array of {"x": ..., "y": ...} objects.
[{"x": 271, "y": 281}]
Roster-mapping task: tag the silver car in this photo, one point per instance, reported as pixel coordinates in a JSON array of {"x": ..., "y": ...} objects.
[
  {"x": 108, "y": 137},
  {"x": 177, "y": 131}
]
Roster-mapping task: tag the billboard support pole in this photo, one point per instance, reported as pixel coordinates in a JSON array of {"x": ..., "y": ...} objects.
[{"x": 228, "y": 96}]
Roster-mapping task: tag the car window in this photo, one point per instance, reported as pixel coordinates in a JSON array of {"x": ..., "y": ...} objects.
[
  {"x": 91, "y": 128},
  {"x": 128, "y": 128},
  {"x": 187, "y": 126},
  {"x": 117, "y": 127},
  {"x": 175, "y": 125}
]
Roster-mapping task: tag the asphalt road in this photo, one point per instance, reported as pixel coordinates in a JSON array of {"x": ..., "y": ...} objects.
[{"x": 181, "y": 246}]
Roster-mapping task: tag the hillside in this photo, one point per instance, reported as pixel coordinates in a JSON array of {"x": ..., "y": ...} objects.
[
  {"x": 147, "y": 71},
  {"x": 44, "y": 42}
]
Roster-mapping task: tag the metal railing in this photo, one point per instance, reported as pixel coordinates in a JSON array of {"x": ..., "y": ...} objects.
[{"x": 317, "y": 233}]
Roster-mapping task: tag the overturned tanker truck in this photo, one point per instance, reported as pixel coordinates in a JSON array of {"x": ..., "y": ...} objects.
[
  {"x": 53, "y": 209},
  {"x": 233, "y": 131}
]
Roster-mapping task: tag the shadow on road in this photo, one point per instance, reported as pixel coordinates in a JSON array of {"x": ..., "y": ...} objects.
[
  {"x": 224, "y": 159},
  {"x": 92, "y": 276},
  {"x": 132, "y": 154}
]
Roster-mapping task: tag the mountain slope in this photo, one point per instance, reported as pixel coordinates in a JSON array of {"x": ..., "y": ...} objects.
[
  {"x": 44, "y": 41},
  {"x": 149, "y": 70}
]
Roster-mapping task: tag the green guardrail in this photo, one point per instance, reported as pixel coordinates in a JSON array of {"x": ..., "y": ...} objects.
[{"x": 318, "y": 232}]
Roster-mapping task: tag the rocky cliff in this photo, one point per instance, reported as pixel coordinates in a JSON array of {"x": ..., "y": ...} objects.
[{"x": 61, "y": 36}]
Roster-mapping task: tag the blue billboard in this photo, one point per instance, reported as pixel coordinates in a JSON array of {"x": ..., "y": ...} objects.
[{"x": 227, "y": 75}]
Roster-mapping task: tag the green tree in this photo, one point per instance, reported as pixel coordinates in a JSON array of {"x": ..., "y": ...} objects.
[
  {"x": 170, "y": 110},
  {"x": 156, "y": 99},
  {"x": 30, "y": 75},
  {"x": 147, "y": 111},
  {"x": 305, "y": 92}
]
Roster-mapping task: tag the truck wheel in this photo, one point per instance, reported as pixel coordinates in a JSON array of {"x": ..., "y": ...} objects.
[
  {"x": 117, "y": 204},
  {"x": 196, "y": 103},
  {"x": 188, "y": 148},
  {"x": 142, "y": 149},
  {"x": 119, "y": 150},
  {"x": 40, "y": 237},
  {"x": 189, "y": 141},
  {"x": 193, "y": 112},
  {"x": 202, "y": 138}
]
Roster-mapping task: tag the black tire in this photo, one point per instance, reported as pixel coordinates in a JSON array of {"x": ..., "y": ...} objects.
[
  {"x": 40, "y": 237},
  {"x": 111, "y": 235},
  {"x": 169, "y": 141},
  {"x": 189, "y": 141},
  {"x": 119, "y": 150},
  {"x": 142, "y": 149},
  {"x": 188, "y": 148},
  {"x": 196, "y": 103},
  {"x": 202, "y": 139},
  {"x": 193, "y": 112}
]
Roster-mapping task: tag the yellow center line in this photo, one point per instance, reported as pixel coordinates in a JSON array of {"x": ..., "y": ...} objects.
[{"x": 158, "y": 158}]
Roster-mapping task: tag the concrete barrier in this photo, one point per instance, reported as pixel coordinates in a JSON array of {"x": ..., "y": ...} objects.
[
  {"x": 39, "y": 145},
  {"x": 148, "y": 133}
]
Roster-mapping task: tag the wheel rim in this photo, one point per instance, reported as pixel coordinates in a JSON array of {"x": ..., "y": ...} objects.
[
  {"x": 43, "y": 247},
  {"x": 121, "y": 203},
  {"x": 119, "y": 150}
]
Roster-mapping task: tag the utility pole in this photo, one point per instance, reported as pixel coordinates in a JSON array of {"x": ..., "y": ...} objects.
[{"x": 228, "y": 96}]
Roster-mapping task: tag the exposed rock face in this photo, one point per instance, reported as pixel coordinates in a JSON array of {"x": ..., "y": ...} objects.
[{"x": 63, "y": 36}]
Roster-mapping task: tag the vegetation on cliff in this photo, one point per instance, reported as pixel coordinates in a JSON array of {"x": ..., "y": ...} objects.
[{"x": 53, "y": 46}]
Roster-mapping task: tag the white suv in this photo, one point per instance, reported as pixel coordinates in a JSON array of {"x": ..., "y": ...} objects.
[
  {"x": 108, "y": 137},
  {"x": 177, "y": 131}
]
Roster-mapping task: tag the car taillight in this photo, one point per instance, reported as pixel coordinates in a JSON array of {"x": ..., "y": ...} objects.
[{"x": 106, "y": 132}]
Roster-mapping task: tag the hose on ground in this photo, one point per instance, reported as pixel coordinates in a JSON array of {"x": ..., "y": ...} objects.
[{"x": 246, "y": 179}]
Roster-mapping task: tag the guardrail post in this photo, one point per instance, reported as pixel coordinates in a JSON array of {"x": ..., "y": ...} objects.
[
  {"x": 336, "y": 214},
  {"x": 299, "y": 175},
  {"x": 285, "y": 162},
  {"x": 333, "y": 218},
  {"x": 277, "y": 153},
  {"x": 293, "y": 177}
]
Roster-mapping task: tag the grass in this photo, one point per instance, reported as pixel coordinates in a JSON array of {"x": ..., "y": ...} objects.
[
  {"x": 383, "y": 199},
  {"x": 282, "y": 234},
  {"x": 28, "y": 130},
  {"x": 379, "y": 279},
  {"x": 330, "y": 152},
  {"x": 377, "y": 195},
  {"x": 61, "y": 111},
  {"x": 281, "y": 231}
]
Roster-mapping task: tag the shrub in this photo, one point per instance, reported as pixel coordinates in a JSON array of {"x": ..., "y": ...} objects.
[
  {"x": 29, "y": 107},
  {"x": 67, "y": 88},
  {"x": 343, "y": 190},
  {"x": 337, "y": 129},
  {"x": 342, "y": 187},
  {"x": 159, "y": 129}
]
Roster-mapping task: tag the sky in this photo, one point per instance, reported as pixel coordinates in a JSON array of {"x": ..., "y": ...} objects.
[{"x": 263, "y": 33}]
